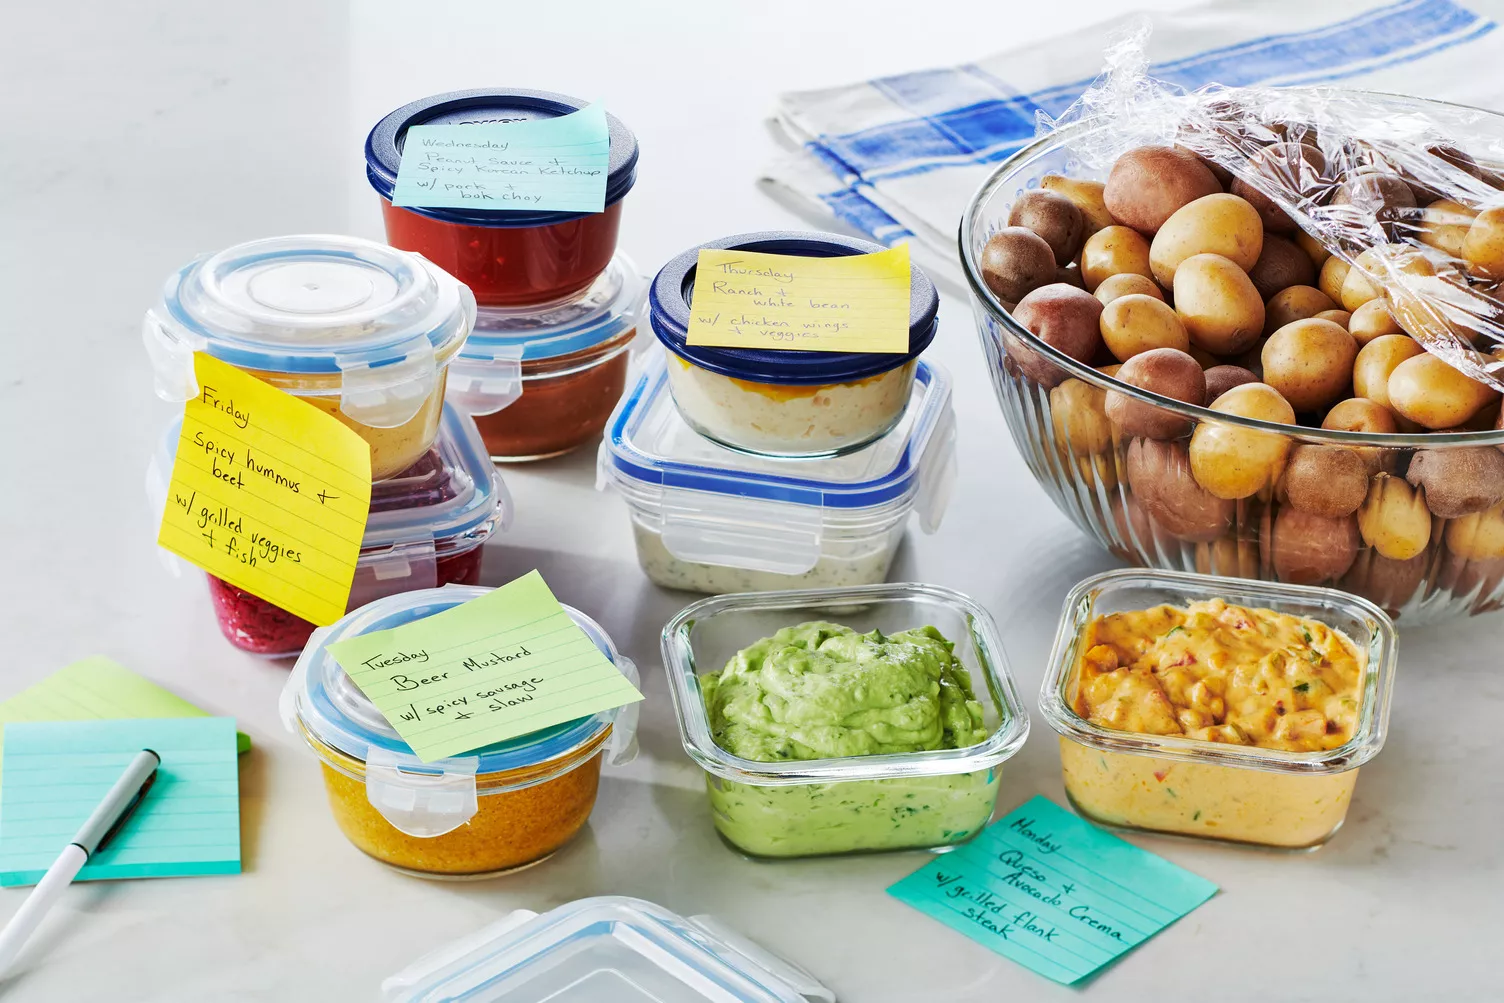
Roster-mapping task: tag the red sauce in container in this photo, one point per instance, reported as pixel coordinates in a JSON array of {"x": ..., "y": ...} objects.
[{"x": 508, "y": 257}]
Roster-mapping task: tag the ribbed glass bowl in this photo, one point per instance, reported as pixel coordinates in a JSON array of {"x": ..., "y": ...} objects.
[{"x": 1083, "y": 460}]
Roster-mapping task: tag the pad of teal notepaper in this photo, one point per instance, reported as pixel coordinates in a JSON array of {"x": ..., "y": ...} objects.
[
  {"x": 1052, "y": 892},
  {"x": 56, "y": 772},
  {"x": 555, "y": 164}
]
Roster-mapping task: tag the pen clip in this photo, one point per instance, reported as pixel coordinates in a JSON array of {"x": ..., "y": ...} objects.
[{"x": 130, "y": 810}]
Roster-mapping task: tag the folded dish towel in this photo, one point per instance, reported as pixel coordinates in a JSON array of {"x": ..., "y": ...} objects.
[{"x": 899, "y": 157}]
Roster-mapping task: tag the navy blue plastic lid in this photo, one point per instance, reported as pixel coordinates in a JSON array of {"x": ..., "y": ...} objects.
[
  {"x": 673, "y": 291},
  {"x": 491, "y": 104}
]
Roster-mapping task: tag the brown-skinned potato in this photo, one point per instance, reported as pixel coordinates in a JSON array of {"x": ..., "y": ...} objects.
[
  {"x": 1307, "y": 549},
  {"x": 1015, "y": 262},
  {"x": 1458, "y": 480},
  {"x": 1281, "y": 265},
  {"x": 1325, "y": 480},
  {"x": 1055, "y": 218}
]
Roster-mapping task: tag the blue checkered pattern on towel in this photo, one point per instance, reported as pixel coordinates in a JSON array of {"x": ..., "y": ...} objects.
[{"x": 966, "y": 115}]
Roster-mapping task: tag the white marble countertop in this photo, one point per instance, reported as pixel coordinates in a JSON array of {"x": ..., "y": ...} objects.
[{"x": 139, "y": 135}]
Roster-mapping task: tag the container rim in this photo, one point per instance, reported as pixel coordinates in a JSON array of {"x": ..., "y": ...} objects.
[
  {"x": 1380, "y": 648},
  {"x": 1002, "y": 176},
  {"x": 694, "y": 722}
]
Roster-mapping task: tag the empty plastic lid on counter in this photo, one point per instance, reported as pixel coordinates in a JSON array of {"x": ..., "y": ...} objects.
[
  {"x": 713, "y": 519},
  {"x": 610, "y": 949},
  {"x": 508, "y": 257},
  {"x": 493, "y": 810},
  {"x": 779, "y": 402},
  {"x": 360, "y": 330},
  {"x": 541, "y": 382},
  {"x": 426, "y": 528}
]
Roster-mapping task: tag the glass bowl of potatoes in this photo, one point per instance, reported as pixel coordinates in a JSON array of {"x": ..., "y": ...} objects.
[{"x": 1202, "y": 385}]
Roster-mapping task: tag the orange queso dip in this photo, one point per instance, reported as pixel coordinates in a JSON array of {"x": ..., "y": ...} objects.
[{"x": 1215, "y": 672}]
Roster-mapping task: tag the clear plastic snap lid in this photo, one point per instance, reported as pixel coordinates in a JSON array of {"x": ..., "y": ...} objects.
[
  {"x": 487, "y": 373},
  {"x": 379, "y": 323},
  {"x": 448, "y": 502},
  {"x": 609, "y": 949},
  {"x": 418, "y": 798},
  {"x": 724, "y": 507}
]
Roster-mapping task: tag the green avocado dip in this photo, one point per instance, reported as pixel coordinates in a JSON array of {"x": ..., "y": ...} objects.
[{"x": 820, "y": 690}]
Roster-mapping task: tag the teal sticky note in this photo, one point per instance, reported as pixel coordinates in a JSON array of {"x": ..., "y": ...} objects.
[
  {"x": 549, "y": 163},
  {"x": 56, "y": 772},
  {"x": 1052, "y": 892}
]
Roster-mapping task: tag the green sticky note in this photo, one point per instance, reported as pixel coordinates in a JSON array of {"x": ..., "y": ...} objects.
[
  {"x": 56, "y": 773},
  {"x": 1052, "y": 892},
  {"x": 96, "y": 688},
  {"x": 549, "y": 163},
  {"x": 505, "y": 664}
]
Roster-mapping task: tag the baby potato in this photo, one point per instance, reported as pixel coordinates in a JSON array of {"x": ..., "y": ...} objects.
[
  {"x": 1070, "y": 274},
  {"x": 1377, "y": 360},
  {"x": 1394, "y": 519},
  {"x": 1222, "y": 311},
  {"x": 1054, "y": 217},
  {"x": 1306, "y": 548},
  {"x": 1359, "y": 414},
  {"x": 1325, "y": 480},
  {"x": 1333, "y": 275},
  {"x": 1087, "y": 197},
  {"x": 1483, "y": 247},
  {"x": 1228, "y": 557},
  {"x": 1338, "y": 317},
  {"x": 1063, "y": 317},
  {"x": 1429, "y": 392},
  {"x": 1459, "y": 481},
  {"x": 1160, "y": 476},
  {"x": 1362, "y": 281},
  {"x": 1232, "y": 462},
  {"x": 1444, "y": 225},
  {"x": 1114, "y": 250},
  {"x": 1127, "y": 284},
  {"x": 1078, "y": 418},
  {"x": 1220, "y": 379},
  {"x": 1372, "y": 320},
  {"x": 1295, "y": 303},
  {"x": 1479, "y": 536},
  {"x": 1388, "y": 583},
  {"x": 1164, "y": 371},
  {"x": 1375, "y": 193},
  {"x": 1213, "y": 224},
  {"x": 1135, "y": 323},
  {"x": 1310, "y": 363},
  {"x": 1281, "y": 265},
  {"x": 1315, "y": 249},
  {"x": 1293, "y": 166},
  {"x": 1147, "y": 184},
  {"x": 1016, "y": 261}
]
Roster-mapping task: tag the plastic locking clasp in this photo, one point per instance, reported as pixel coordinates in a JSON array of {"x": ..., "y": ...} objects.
[
  {"x": 423, "y": 801},
  {"x": 482, "y": 386}
]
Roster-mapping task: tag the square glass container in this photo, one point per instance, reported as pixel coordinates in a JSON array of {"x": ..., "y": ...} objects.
[
  {"x": 1237, "y": 793},
  {"x": 814, "y": 807}
]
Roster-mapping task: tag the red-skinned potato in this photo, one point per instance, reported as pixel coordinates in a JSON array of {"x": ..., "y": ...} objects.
[
  {"x": 1388, "y": 583},
  {"x": 1063, "y": 317},
  {"x": 1165, "y": 371},
  {"x": 1147, "y": 184},
  {"x": 1307, "y": 549},
  {"x": 1160, "y": 476},
  {"x": 1291, "y": 166}
]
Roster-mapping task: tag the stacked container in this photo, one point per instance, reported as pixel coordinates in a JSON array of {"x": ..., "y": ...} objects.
[
  {"x": 557, "y": 304},
  {"x": 747, "y": 470}
]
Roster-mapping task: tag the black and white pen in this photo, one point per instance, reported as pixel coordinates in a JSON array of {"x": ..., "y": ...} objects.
[{"x": 102, "y": 825}]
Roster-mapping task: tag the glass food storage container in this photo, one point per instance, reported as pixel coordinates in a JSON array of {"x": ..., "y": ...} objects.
[
  {"x": 427, "y": 528},
  {"x": 885, "y": 801},
  {"x": 1214, "y": 790},
  {"x": 610, "y": 949},
  {"x": 357, "y": 329},
  {"x": 540, "y": 383},
  {"x": 508, "y": 257},
  {"x": 497, "y": 809},
  {"x": 787, "y": 403},
  {"x": 711, "y": 519},
  {"x": 1139, "y": 497}
]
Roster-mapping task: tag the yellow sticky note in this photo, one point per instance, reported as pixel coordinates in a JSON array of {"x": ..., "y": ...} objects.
[
  {"x": 745, "y": 299},
  {"x": 508, "y": 663},
  {"x": 268, "y": 493}
]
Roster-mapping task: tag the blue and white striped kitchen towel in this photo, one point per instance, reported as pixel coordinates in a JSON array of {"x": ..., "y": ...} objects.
[{"x": 898, "y": 157}]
